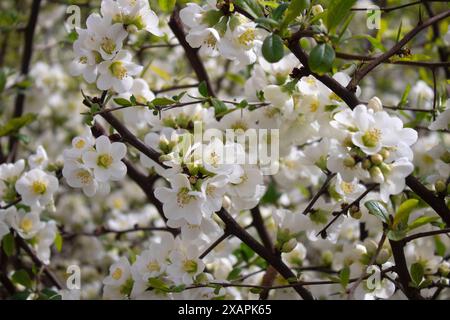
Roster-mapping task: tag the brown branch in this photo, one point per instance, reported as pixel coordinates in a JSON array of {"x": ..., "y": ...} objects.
[
  {"x": 26, "y": 60},
  {"x": 426, "y": 234},
  {"x": 321, "y": 191},
  {"x": 361, "y": 73},
  {"x": 425, "y": 64},
  {"x": 438, "y": 204},
  {"x": 401, "y": 268},
  {"x": 52, "y": 277},
  {"x": 267, "y": 255},
  {"x": 176, "y": 26}
]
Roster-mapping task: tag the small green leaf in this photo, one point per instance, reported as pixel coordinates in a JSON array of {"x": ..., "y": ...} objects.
[
  {"x": 378, "y": 210},
  {"x": 159, "y": 284},
  {"x": 162, "y": 101},
  {"x": 337, "y": 11},
  {"x": 396, "y": 235},
  {"x": 344, "y": 276},
  {"x": 278, "y": 12},
  {"x": 294, "y": 9},
  {"x": 272, "y": 195},
  {"x": 167, "y": 5},
  {"x": 219, "y": 106},
  {"x": 440, "y": 246},
  {"x": 8, "y": 244},
  {"x": 250, "y": 6},
  {"x": 417, "y": 273},
  {"x": 58, "y": 242},
  {"x": 234, "y": 274},
  {"x": 211, "y": 17},
  {"x": 22, "y": 277},
  {"x": 203, "y": 89},
  {"x": 421, "y": 221},
  {"x": 403, "y": 211},
  {"x": 123, "y": 102},
  {"x": 321, "y": 58},
  {"x": 15, "y": 124},
  {"x": 2, "y": 80},
  {"x": 273, "y": 48}
]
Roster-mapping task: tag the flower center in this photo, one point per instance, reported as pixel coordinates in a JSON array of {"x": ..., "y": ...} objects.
[
  {"x": 371, "y": 137},
  {"x": 83, "y": 60},
  {"x": 117, "y": 274},
  {"x": 26, "y": 224},
  {"x": 314, "y": 105},
  {"x": 80, "y": 144},
  {"x": 39, "y": 187},
  {"x": 104, "y": 160},
  {"x": 190, "y": 266},
  {"x": 210, "y": 41},
  {"x": 183, "y": 197},
  {"x": 247, "y": 37},
  {"x": 153, "y": 266},
  {"x": 347, "y": 187},
  {"x": 118, "y": 70},
  {"x": 84, "y": 176},
  {"x": 108, "y": 45}
]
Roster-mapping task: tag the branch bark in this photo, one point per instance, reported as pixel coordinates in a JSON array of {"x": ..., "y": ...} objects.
[{"x": 25, "y": 67}]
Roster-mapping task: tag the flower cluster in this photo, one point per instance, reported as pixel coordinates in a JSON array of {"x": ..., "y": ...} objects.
[
  {"x": 232, "y": 36},
  {"x": 99, "y": 49},
  {"x": 91, "y": 163},
  {"x": 34, "y": 188}
]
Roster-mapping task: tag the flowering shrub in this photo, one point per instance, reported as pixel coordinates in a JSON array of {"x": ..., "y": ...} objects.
[{"x": 229, "y": 149}]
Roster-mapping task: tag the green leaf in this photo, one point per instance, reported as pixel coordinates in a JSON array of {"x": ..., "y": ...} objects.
[
  {"x": 167, "y": 5},
  {"x": 22, "y": 277},
  {"x": 8, "y": 244},
  {"x": 2, "y": 80},
  {"x": 159, "y": 284},
  {"x": 58, "y": 242},
  {"x": 279, "y": 11},
  {"x": 15, "y": 124},
  {"x": 377, "y": 209},
  {"x": 403, "y": 211},
  {"x": 250, "y": 6},
  {"x": 294, "y": 9},
  {"x": 219, "y": 106},
  {"x": 440, "y": 246},
  {"x": 234, "y": 274},
  {"x": 337, "y": 11},
  {"x": 344, "y": 276},
  {"x": 405, "y": 95},
  {"x": 162, "y": 101},
  {"x": 203, "y": 89},
  {"x": 272, "y": 195},
  {"x": 373, "y": 41},
  {"x": 267, "y": 22},
  {"x": 123, "y": 102},
  {"x": 211, "y": 17},
  {"x": 273, "y": 48},
  {"x": 421, "y": 221},
  {"x": 417, "y": 273},
  {"x": 321, "y": 58},
  {"x": 396, "y": 235}
]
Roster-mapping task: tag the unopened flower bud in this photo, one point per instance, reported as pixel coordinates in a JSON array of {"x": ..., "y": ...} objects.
[
  {"x": 385, "y": 168},
  {"x": 376, "y": 159},
  {"x": 289, "y": 246},
  {"x": 317, "y": 9},
  {"x": 376, "y": 175},
  {"x": 348, "y": 142},
  {"x": 383, "y": 256},
  {"x": 132, "y": 28},
  {"x": 371, "y": 246},
  {"x": 349, "y": 162},
  {"x": 375, "y": 104},
  {"x": 385, "y": 153},
  {"x": 440, "y": 186},
  {"x": 355, "y": 213},
  {"x": 446, "y": 157},
  {"x": 366, "y": 164},
  {"x": 193, "y": 179},
  {"x": 327, "y": 257}
]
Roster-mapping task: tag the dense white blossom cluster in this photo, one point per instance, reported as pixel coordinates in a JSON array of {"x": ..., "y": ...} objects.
[{"x": 331, "y": 195}]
